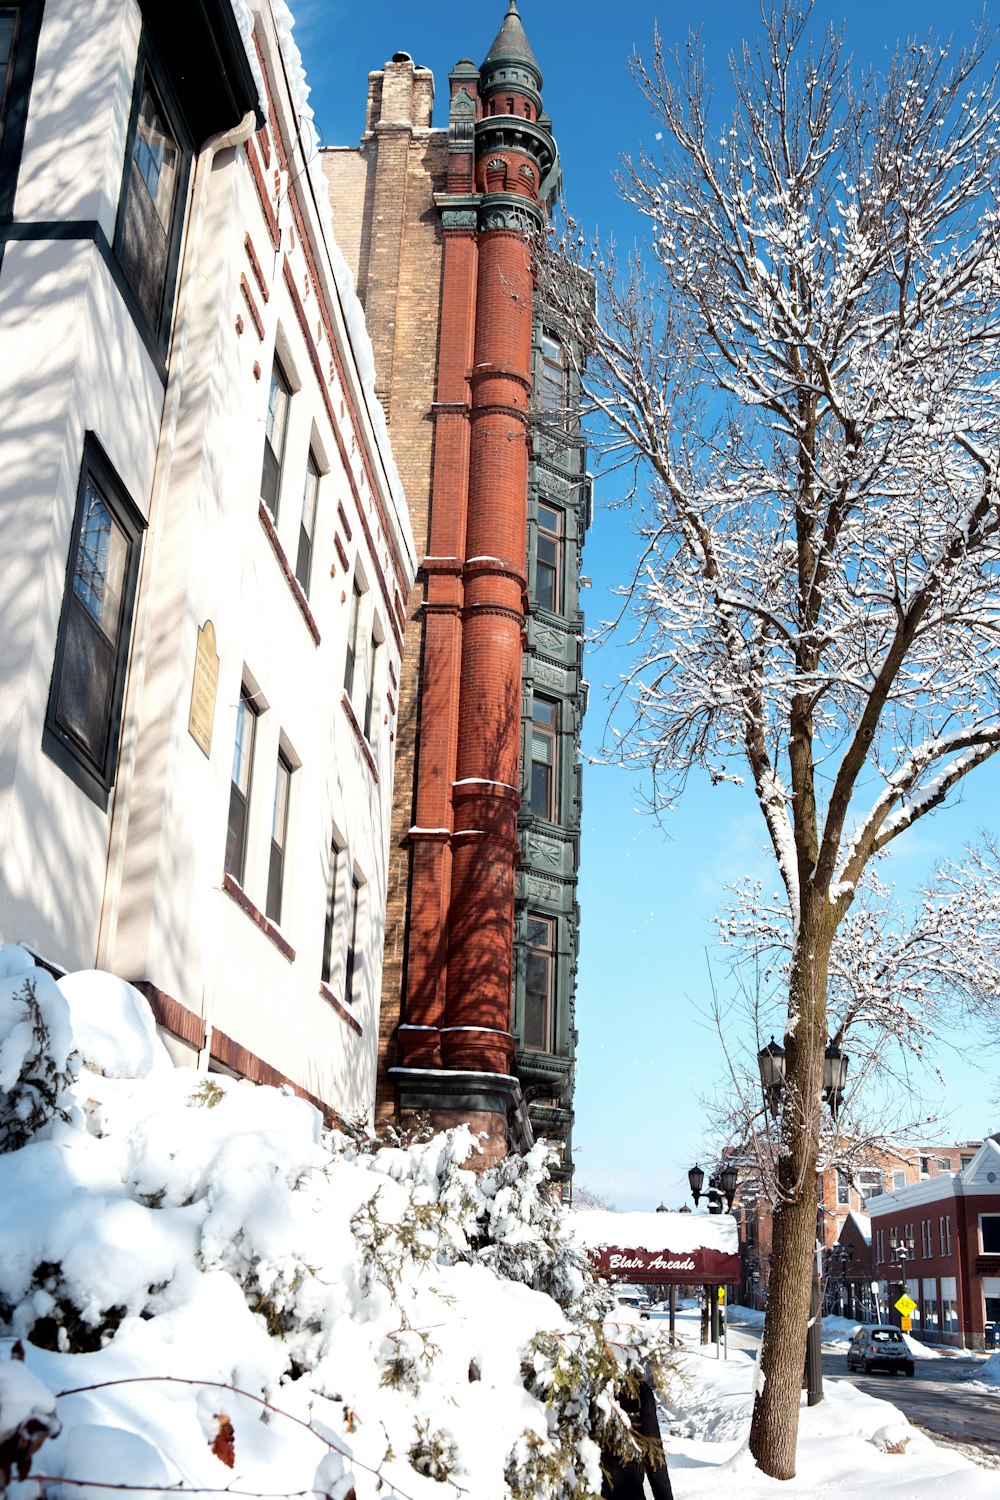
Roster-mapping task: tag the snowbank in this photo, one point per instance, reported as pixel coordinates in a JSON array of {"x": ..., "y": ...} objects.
[{"x": 183, "y": 1256}]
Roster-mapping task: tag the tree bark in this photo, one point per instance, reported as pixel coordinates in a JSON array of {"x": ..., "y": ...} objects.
[{"x": 775, "y": 1422}]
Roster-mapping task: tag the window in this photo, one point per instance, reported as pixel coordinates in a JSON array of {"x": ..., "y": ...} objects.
[
  {"x": 870, "y": 1185},
  {"x": 989, "y": 1227},
  {"x": 553, "y": 376},
  {"x": 88, "y": 678},
  {"x": 274, "y": 437},
  {"x": 843, "y": 1190},
  {"x": 350, "y": 968},
  {"x": 898, "y": 1180},
  {"x": 239, "y": 790},
  {"x": 944, "y": 1234},
  {"x": 949, "y": 1304},
  {"x": 879, "y": 1245},
  {"x": 944, "y": 1164},
  {"x": 20, "y": 24},
  {"x": 548, "y": 558},
  {"x": 353, "y": 638},
  {"x": 330, "y": 929},
  {"x": 373, "y": 646},
  {"x": 307, "y": 523},
  {"x": 543, "y": 792},
  {"x": 538, "y": 986},
  {"x": 925, "y": 1166},
  {"x": 149, "y": 221},
  {"x": 929, "y": 1309},
  {"x": 279, "y": 837},
  {"x": 926, "y": 1239}
]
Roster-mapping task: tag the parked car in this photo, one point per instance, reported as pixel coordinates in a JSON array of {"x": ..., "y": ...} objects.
[{"x": 879, "y": 1347}]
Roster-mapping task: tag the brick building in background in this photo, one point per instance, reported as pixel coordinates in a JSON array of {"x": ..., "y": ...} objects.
[{"x": 478, "y": 386}]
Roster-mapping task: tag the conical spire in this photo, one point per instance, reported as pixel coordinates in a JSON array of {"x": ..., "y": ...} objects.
[{"x": 511, "y": 45}]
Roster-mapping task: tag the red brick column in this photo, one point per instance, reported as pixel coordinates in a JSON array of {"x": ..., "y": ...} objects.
[
  {"x": 431, "y": 877},
  {"x": 476, "y": 1034}
]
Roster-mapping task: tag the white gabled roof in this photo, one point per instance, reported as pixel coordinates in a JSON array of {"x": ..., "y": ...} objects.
[{"x": 982, "y": 1175}]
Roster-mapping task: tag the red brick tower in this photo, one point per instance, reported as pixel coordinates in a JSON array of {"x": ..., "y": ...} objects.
[{"x": 456, "y": 1046}]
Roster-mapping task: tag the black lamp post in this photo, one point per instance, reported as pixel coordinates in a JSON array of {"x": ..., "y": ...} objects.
[
  {"x": 771, "y": 1062},
  {"x": 902, "y": 1251},
  {"x": 721, "y": 1190},
  {"x": 721, "y": 1187}
]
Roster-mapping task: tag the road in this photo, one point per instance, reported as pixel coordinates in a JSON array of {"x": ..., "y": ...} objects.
[{"x": 937, "y": 1400}]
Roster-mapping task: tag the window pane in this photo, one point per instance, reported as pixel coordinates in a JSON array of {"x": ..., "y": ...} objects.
[
  {"x": 149, "y": 205},
  {"x": 279, "y": 820},
  {"x": 102, "y": 559},
  {"x": 239, "y": 791},
  {"x": 307, "y": 526},
  {"x": 7, "y": 22},
  {"x": 93, "y": 626},
  {"x": 537, "y": 1029},
  {"x": 331, "y": 913},
  {"x": 352, "y": 639},
  {"x": 156, "y": 155},
  {"x": 236, "y": 834},
  {"x": 243, "y": 748},
  {"x": 991, "y": 1234},
  {"x": 274, "y": 438},
  {"x": 85, "y": 684}
]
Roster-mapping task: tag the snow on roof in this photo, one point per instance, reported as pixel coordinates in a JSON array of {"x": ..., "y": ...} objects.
[
  {"x": 863, "y": 1222},
  {"x": 593, "y": 1227}
]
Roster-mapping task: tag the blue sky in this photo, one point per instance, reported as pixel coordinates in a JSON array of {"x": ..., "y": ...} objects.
[{"x": 648, "y": 1053}]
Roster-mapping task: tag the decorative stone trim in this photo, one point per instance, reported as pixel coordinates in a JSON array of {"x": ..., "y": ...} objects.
[
  {"x": 342, "y": 1010},
  {"x": 267, "y": 927},
  {"x": 366, "y": 749},
  {"x": 290, "y": 578},
  {"x": 256, "y": 267},
  {"x": 255, "y": 316}
]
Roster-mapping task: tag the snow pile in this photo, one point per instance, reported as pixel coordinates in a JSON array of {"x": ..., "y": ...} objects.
[
  {"x": 208, "y": 1291},
  {"x": 850, "y": 1445},
  {"x": 987, "y": 1376}
]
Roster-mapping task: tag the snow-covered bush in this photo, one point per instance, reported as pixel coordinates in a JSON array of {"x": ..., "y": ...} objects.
[
  {"x": 37, "y": 1061},
  {"x": 400, "y": 1320}
]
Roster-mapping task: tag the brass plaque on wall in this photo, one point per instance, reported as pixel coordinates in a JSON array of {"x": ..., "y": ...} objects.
[{"x": 204, "y": 689}]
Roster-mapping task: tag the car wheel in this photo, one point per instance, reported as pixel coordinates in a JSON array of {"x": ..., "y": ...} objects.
[
  {"x": 909, "y": 1369},
  {"x": 866, "y": 1366}
]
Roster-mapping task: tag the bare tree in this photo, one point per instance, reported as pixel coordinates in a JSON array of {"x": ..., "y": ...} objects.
[{"x": 801, "y": 371}]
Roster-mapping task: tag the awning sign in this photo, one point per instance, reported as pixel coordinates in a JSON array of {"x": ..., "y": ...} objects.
[{"x": 701, "y": 1264}]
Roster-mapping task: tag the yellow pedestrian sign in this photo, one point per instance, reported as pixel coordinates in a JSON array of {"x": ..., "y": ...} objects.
[{"x": 906, "y": 1306}]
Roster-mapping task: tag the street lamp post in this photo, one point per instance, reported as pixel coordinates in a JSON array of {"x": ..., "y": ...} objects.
[
  {"x": 771, "y": 1062},
  {"x": 902, "y": 1251},
  {"x": 721, "y": 1190}
]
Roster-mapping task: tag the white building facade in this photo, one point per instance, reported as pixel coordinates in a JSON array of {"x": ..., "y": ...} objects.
[{"x": 206, "y": 546}]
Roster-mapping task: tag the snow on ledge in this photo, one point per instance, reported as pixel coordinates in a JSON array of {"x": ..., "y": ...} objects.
[{"x": 594, "y": 1227}]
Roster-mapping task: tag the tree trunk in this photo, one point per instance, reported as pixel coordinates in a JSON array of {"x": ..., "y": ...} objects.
[{"x": 775, "y": 1422}]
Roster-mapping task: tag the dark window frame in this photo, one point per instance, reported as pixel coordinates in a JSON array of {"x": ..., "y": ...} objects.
[
  {"x": 15, "y": 93},
  {"x": 353, "y": 634},
  {"x": 351, "y": 967},
  {"x": 279, "y": 838},
  {"x": 58, "y": 740},
  {"x": 371, "y": 665},
  {"x": 540, "y": 956},
  {"x": 307, "y": 532},
  {"x": 554, "y": 382},
  {"x": 149, "y": 62},
  {"x": 547, "y": 730},
  {"x": 551, "y": 598},
  {"x": 337, "y": 854},
  {"x": 237, "y": 867},
  {"x": 273, "y": 457}
]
